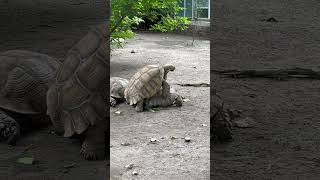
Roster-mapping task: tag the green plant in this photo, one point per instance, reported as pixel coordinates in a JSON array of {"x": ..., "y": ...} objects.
[{"x": 127, "y": 14}]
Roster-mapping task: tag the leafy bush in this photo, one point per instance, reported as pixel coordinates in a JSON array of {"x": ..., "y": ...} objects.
[{"x": 127, "y": 14}]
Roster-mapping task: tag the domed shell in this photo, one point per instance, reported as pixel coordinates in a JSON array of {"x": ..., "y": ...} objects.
[
  {"x": 25, "y": 77},
  {"x": 77, "y": 98},
  {"x": 144, "y": 84}
]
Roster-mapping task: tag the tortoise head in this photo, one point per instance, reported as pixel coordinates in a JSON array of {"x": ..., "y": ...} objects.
[
  {"x": 177, "y": 99},
  {"x": 167, "y": 68}
]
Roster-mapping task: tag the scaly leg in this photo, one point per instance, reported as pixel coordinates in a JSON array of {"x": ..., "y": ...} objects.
[
  {"x": 9, "y": 128},
  {"x": 93, "y": 147},
  {"x": 139, "y": 106}
]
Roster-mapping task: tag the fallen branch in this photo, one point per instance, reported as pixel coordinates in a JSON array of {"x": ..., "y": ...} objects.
[
  {"x": 194, "y": 84},
  {"x": 272, "y": 73}
]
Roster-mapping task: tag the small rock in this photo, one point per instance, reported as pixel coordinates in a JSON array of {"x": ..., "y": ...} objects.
[
  {"x": 187, "y": 139},
  {"x": 204, "y": 125},
  {"x": 129, "y": 166},
  {"x": 125, "y": 144},
  {"x": 172, "y": 138},
  {"x": 117, "y": 112},
  {"x": 186, "y": 100},
  {"x": 135, "y": 173},
  {"x": 153, "y": 140},
  {"x": 133, "y": 51},
  {"x": 244, "y": 123},
  {"x": 26, "y": 160}
]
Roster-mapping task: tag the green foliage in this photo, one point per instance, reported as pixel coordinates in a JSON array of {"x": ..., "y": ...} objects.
[{"x": 126, "y": 14}]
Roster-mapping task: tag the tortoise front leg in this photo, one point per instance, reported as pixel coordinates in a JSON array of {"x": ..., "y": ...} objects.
[
  {"x": 93, "y": 147},
  {"x": 139, "y": 106},
  {"x": 9, "y": 128},
  {"x": 165, "y": 88}
]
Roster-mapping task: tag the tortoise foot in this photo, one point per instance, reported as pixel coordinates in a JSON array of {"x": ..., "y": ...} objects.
[
  {"x": 9, "y": 129},
  {"x": 139, "y": 106},
  {"x": 93, "y": 147}
]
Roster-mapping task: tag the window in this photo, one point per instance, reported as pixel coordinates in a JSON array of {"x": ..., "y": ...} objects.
[{"x": 195, "y": 9}]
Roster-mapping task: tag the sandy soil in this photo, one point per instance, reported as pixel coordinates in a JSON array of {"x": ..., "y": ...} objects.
[
  {"x": 284, "y": 142},
  {"x": 169, "y": 158},
  {"x": 49, "y": 27}
]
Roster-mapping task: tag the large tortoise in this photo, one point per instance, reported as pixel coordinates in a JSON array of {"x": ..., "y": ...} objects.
[
  {"x": 147, "y": 82},
  {"x": 118, "y": 86},
  {"x": 77, "y": 101},
  {"x": 25, "y": 77}
]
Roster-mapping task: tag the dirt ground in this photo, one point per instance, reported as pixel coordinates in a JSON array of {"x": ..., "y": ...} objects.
[
  {"x": 49, "y": 27},
  {"x": 284, "y": 141},
  {"x": 131, "y": 131}
]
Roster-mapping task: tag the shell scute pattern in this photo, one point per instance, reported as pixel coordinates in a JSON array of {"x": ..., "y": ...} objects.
[
  {"x": 145, "y": 83},
  {"x": 91, "y": 73},
  {"x": 68, "y": 67}
]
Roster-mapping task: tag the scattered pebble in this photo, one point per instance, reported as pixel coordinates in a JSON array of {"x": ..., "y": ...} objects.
[
  {"x": 204, "y": 125},
  {"x": 135, "y": 173},
  {"x": 153, "y": 140},
  {"x": 117, "y": 112},
  {"x": 129, "y": 166},
  {"x": 187, "y": 139},
  {"x": 125, "y": 144},
  {"x": 172, "y": 138},
  {"x": 185, "y": 100},
  {"x": 133, "y": 51},
  {"x": 26, "y": 160}
]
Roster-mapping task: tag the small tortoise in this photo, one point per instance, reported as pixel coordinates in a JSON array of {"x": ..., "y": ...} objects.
[
  {"x": 147, "y": 82},
  {"x": 77, "y": 100},
  {"x": 117, "y": 88},
  {"x": 25, "y": 77}
]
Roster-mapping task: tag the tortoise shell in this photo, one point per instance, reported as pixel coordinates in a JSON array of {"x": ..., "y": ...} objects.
[
  {"x": 25, "y": 77},
  {"x": 144, "y": 84},
  {"x": 77, "y": 99}
]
